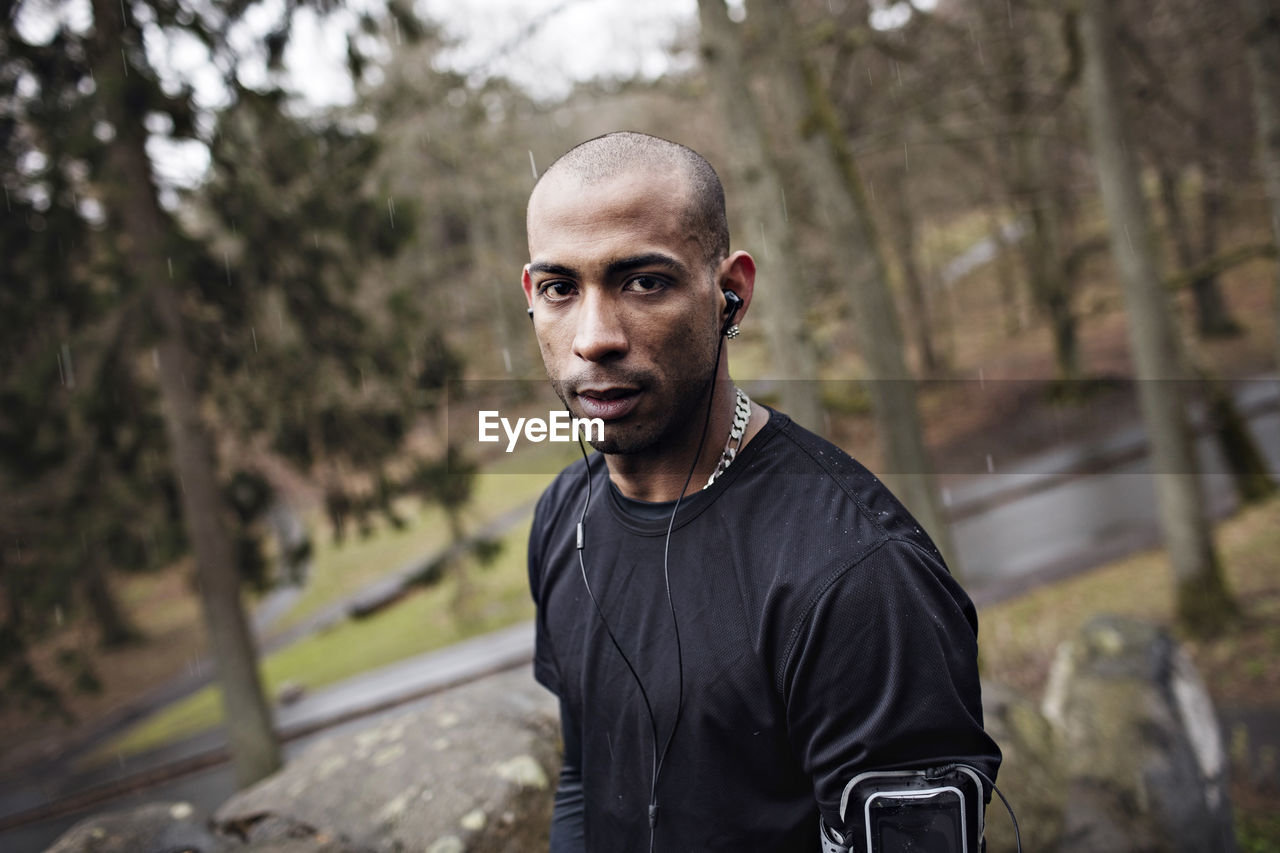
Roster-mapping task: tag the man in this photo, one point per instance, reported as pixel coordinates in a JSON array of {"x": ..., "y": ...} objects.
[{"x": 737, "y": 618}]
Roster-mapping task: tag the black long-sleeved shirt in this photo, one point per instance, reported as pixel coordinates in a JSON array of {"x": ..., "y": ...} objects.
[{"x": 820, "y": 636}]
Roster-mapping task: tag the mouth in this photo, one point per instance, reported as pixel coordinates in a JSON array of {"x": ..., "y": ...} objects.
[{"x": 607, "y": 403}]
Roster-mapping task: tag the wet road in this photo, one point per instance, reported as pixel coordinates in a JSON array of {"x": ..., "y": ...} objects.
[{"x": 1083, "y": 520}]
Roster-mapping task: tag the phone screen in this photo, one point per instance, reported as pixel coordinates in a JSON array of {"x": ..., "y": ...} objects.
[{"x": 932, "y": 824}]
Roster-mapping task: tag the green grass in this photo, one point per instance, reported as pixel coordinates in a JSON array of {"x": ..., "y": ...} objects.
[
  {"x": 339, "y": 571},
  {"x": 424, "y": 621}
]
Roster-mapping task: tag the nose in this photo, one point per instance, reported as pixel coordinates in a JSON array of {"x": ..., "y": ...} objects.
[{"x": 600, "y": 335}]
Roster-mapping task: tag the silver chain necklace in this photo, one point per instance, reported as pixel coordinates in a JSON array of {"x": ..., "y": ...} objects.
[{"x": 741, "y": 414}]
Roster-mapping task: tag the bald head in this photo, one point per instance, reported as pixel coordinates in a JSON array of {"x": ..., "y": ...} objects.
[{"x": 626, "y": 153}]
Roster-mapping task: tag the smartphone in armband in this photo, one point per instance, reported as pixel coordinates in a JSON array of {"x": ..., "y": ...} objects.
[{"x": 936, "y": 810}]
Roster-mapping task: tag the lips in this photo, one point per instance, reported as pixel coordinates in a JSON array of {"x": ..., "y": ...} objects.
[{"x": 608, "y": 404}]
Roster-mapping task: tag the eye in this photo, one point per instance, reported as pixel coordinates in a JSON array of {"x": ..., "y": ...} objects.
[
  {"x": 555, "y": 291},
  {"x": 645, "y": 284}
]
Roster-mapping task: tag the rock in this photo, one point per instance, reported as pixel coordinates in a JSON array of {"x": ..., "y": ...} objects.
[
  {"x": 153, "y": 828},
  {"x": 1032, "y": 775},
  {"x": 266, "y": 833},
  {"x": 290, "y": 692},
  {"x": 472, "y": 770},
  {"x": 1142, "y": 750}
]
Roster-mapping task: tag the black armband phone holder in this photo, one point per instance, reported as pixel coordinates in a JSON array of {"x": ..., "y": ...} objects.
[{"x": 938, "y": 810}]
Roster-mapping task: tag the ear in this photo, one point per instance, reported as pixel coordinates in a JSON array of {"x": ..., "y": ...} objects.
[{"x": 738, "y": 273}]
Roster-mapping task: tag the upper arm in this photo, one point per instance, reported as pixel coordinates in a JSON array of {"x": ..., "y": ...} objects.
[
  {"x": 545, "y": 669},
  {"x": 882, "y": 672}
]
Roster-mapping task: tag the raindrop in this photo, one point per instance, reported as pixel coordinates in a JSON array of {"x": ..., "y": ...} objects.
[
  {"x": 254, "y": 334},
  {"x": 391, "y": 210},
  {"x": 169, "y": 261},
  {"x": 155, "y": 357},
  {"x": 991, "y": 465},
  {"x": 65, "y": 358},
  {"x": 533, "y": 165},
  {"x": 782, "y": 191},
  {"x": 506, "y": 358},
  {"x": 982, "y": 379},
  {"x": 124, "y": 60}
]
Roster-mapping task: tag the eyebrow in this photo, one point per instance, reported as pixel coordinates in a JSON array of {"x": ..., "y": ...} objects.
[{"x": 615, "y": 268}]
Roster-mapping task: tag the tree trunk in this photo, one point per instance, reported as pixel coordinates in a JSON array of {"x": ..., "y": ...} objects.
[
  {"x": 1245, "y": 461},
  {"x": 777, "y": 292},
  {"x": 913, "y": 284},
  {"x": 1007, "y": 282},
  {"x": 1032, "y": 194},
  {"x": 463, "y": 604},
  {"x": 1213, "y": 317},
  {"x": 146, "y": 228},
  {"x": 1263, "y": 18},
  {"x": 833, "y": 176},
  {"x": 1204, "y": 605},
  {"x": 114, "y": 627}
]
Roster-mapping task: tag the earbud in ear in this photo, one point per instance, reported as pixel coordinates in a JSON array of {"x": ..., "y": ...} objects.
[{"x": 734, "y": 304}]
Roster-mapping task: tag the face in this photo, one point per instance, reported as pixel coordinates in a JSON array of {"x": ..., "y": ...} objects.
[{"x": 626, "y": 308}]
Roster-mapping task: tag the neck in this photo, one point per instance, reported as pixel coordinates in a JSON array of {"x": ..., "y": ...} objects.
[{"x": 660, "y": 474}]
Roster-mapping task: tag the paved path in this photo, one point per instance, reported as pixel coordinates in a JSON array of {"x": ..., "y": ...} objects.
[{"x": 1079, "y": 506}]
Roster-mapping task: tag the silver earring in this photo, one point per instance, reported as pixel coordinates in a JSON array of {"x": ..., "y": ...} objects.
[{"x": 733, "y": 332}]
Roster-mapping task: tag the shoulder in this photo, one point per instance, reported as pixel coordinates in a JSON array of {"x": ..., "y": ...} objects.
[
  {"x": 801, "y": 482},
  {"x": 822, "y": 541},
  {"x": 558, "y": 509},
  {"x": 557, "y": 497}
]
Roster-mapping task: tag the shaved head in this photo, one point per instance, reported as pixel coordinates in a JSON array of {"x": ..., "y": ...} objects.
[{"x": 627, "y": 153}]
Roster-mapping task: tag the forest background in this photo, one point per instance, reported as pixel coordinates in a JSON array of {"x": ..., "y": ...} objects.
[{"x": 244, "y": 331}]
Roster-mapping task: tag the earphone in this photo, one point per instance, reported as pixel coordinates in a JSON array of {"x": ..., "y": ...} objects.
[{"x": 734, "y": 304}]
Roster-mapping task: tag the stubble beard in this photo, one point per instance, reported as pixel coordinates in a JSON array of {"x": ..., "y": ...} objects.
[{"x": 651, "y": 431}]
